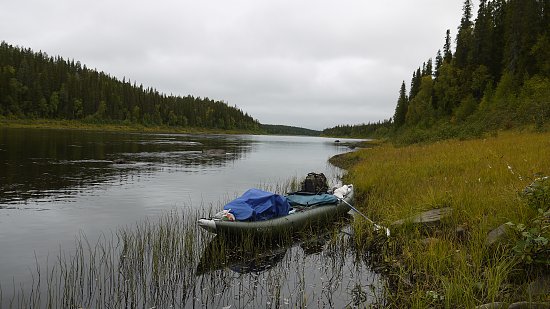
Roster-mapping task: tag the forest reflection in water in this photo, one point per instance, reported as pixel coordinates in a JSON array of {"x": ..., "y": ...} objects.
[{"x": 58, "y": 164}]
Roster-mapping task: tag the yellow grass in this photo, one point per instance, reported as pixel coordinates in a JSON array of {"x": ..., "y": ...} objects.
[{"x": 480, "y": 181}]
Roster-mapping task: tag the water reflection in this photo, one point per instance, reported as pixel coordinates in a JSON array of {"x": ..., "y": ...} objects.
[
  {"x": 38, "y": 164},
  {"x": 264, "y": 253},
  {"x": 316, "y": 272},
  {"x": 95, "y": 182},
  {"x": 174, "y": 263},
  {"x": 222, "y": 253}
]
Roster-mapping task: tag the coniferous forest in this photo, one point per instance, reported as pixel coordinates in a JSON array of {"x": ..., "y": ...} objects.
[
  {"x": 35, "y": 85},
  {"x": 495, "y": 74},
  {"x": 373, "y": 129},
  {"x": 498, "y": 76},
  {"x": 288, "y": 130}
]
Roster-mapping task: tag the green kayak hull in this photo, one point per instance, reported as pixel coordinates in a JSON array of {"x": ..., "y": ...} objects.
[{"x": 292, "y": 223}]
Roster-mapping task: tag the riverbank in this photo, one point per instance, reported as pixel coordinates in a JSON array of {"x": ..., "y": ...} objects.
[
  {"x": 111, "y": 127},
  {"x": 451, "y": 263}
]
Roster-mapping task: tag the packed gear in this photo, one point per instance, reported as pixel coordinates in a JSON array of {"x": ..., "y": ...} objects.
[{"x": 315, "y": 183}]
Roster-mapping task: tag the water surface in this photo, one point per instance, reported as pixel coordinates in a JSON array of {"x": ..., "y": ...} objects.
[{"x": 58, "y": 184}]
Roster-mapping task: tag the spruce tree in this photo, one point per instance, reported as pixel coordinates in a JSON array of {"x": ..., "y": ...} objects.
[
  {"x": 401, "y": 108},
  {"x": 415, "y": 83},
  {"x": 464, "y": 36},
  {"x": 497, "y": 11},
  {"x": 482, "y": 36},
  {"x": 429, "y": 68},
  {"x": 447, "y": 53}
]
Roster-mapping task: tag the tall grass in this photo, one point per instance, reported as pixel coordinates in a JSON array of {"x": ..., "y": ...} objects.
[
  {"x": 170, "y": 262},
  {"x": 134, "y": 267},
  {"x": 480, "y": 181}
]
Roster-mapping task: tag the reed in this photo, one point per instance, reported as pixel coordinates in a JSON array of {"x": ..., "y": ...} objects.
[
  {"x": 480, "y": 181},
  {"x": 170, "y": 262},
  {"x": 134, "y": 267}
]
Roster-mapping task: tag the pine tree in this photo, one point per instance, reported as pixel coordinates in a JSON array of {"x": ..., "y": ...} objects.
[
  {"x": 429, "y": 68},
  {"x": 415, "y": 83},
  {"x": 401, "y": 108},
  {"x": 482, "y": 36},
  {"x": 464, "y": 36},
  {"x": 497, "y": 11},
  {"x": 447, "y": 53}
]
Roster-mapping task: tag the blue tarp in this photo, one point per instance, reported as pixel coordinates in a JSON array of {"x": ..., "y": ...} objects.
[
  {"x": 311, "y": 200},
  {"x": 258, "y": 205}
]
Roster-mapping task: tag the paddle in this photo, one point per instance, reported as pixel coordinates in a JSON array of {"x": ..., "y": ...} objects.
[{"x": 376, "y": 226}]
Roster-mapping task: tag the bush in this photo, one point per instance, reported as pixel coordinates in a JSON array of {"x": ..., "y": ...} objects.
[
  {"x": 533, "y": 243},
  {"x": 537, "y": 194}
]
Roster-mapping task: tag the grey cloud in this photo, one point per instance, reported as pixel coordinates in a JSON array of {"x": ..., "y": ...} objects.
[{"x": 304, "y": 63}]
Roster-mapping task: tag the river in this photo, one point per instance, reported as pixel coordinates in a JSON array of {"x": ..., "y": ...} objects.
[{"x": 58, "y": 184}]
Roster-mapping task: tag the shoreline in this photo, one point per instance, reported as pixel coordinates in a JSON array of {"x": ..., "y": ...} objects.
[
  {"x": 110, "y": 127},
  {"x": 472, "y": 187}
]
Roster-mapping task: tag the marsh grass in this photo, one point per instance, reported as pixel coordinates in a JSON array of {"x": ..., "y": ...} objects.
[
  {"x": 134, "y": 267},
  {"x": 170, "y": 262},
  {"x": 480, "y": 181}
]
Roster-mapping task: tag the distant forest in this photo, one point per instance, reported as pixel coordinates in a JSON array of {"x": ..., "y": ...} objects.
[
  {"x": 497, "y": 77},
  {"x": 376, "y": 129},
  {"x": 35, "y": 85},
  {"x": 495, "y": 74},
  {"x": 288, "y": 130}
]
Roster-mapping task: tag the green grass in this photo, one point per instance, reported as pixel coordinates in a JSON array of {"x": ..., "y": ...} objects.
[{"x": 480, "y": 179}]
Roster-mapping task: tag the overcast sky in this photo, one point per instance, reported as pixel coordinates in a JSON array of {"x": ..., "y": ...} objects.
[{"x": 307, "y": 63}]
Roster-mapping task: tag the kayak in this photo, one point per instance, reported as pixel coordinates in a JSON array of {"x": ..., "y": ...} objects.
[{"x": 299, "y": 219}]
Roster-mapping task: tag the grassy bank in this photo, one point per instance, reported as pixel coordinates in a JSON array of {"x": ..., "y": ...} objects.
[
  {"x": 111, "y": 127},
  {"x": 480, "y": 180}
]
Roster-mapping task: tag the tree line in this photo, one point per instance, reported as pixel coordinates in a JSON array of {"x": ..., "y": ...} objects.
[
  {"x": 35, "y": 85},
  {"x": 371, "y": 129},
  {"x": 498, "y": 75},
  {"x": 288, "y": 130},
  {"x": 495, "y": 74}
]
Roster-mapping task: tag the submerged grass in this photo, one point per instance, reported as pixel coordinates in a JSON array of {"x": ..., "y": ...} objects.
[
  {"x": 170, "y": 262},
  {"x": 480, "y": 181},
  {"x": 135, "y": 267}
]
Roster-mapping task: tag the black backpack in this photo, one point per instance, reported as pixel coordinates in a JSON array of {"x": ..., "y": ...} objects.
[{"x": 315, "y": 183}]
